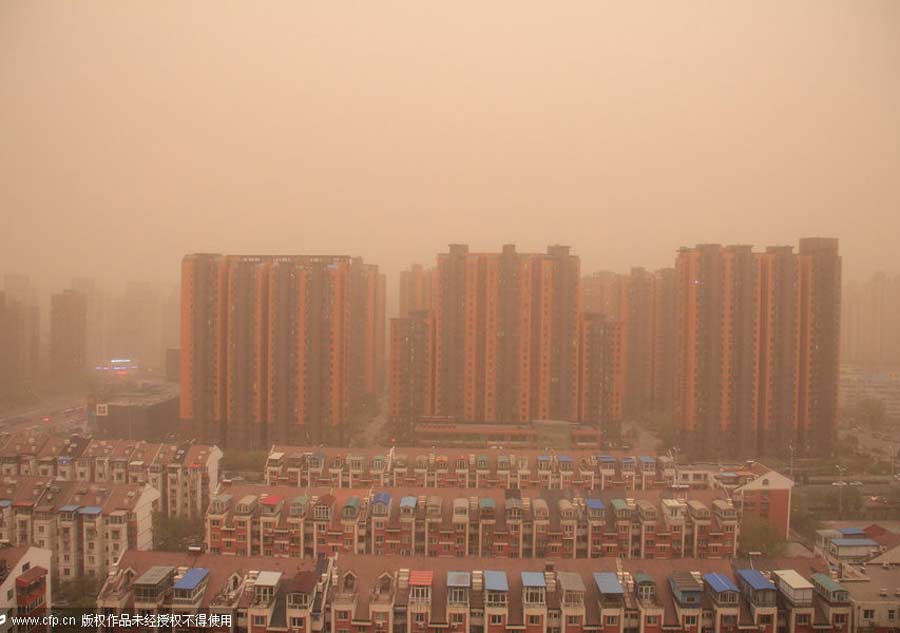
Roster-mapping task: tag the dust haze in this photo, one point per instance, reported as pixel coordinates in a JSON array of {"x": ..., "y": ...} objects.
[{"x": 135, "y": 132}]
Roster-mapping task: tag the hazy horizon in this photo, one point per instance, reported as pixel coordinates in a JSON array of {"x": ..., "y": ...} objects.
[{"x": 137, "y": 132}]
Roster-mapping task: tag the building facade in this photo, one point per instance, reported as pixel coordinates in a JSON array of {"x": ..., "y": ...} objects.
[
  {"x": 757, "y": 348},
  {"x": 309, "y": 522},
  {"x": 278, "y": 349},
  {"x": 68, "y": 334},
  {"x": 85, "y": 526},
  {"x": 185, "y": 475}
]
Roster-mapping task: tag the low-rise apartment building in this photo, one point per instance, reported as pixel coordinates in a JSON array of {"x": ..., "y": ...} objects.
[
  {"x": 25, "y": 588},
  {"x": 229, "y": 593},
  {"x": 365, "y": 593},
  {"x": 185, "y": 474},
  {"x": 251, "y": 520},
  {"x": 85, "y": 526}
]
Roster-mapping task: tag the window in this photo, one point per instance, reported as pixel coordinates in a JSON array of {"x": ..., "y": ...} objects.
[
  {"x": 9, "y": 594},
  {"x": 652, "y": 620},
  {"x": 890, "y": 614},
  {"x": 420, "y": 593},
  {"x": 342, "y": 615},
  {"x": 840, "y": 618},
  {"x": 573, "y": 619},
  {"x": 259, "y": 620},
  {"x": 610, "y": 620},
  {"x": 27, "y": 566},
  {"x": 496, "y": 619},
  {"x": 690, "y": 620},
  {"x": 419, "y": 617},
  {"x": 296, "y": 623},
  {"x": 458, "y": 594},
  {"x": 534, "y": 595},
  {"x": 534, "y": 620},
  {"x": 457, "y": 618},
  {"x": 868, "y": 614},
  {"x": 802, "y": 618}
]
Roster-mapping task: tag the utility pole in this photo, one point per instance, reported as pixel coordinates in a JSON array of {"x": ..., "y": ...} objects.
[{"x": 791, "y": 449}]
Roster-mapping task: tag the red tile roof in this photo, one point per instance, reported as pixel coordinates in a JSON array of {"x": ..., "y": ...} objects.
[{"x": 421, "y": 578}]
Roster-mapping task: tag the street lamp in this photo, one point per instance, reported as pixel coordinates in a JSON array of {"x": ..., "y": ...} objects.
[{"x": 840, "y": 483}]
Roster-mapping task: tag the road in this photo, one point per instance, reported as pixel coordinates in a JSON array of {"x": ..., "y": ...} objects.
[{"x": 18, "y": 418}]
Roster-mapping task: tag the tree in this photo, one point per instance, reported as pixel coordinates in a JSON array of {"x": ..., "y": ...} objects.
[
  {"x": 870, "y": 412},
  {"x": 176, "y": 534},
  {"x": 758, "y": 535},
  {"x": 243, "y": 461},
  {"x": 803, "y": 520},
  {"x": 79, "y": 593}
]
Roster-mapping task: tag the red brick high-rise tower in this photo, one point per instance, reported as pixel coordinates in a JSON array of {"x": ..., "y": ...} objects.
[{"x": 278, "y": 349}]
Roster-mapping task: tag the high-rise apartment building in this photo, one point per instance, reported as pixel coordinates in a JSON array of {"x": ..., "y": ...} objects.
[
  {"x": 600, "y": 365},
  {"x": 779, "y": 349},
  {"x": 757, "y": 348},
  {"x": 605, "y": 293},
  {"x": 643, "y": 304},
  {"x": 278, "y": 349},
  {"x": 411, "y": 380},
  {"x": 136, "y": 324},
  {"x": 415, "y": 290},
  {"x": 68, "y": 334},
  {"x": 717, "y": 321},
  {"x": 638, "y": 324},
  {"x": 18, "y": 345},
  {"x": 20, "y": 334},
  {"x": 663, "y": 341},
  {"x": 870, "y": 331},
  {"x": 820, "y": 327},
  {"x": 96, "y": 347},
  {"x": 505, "y": 334}
]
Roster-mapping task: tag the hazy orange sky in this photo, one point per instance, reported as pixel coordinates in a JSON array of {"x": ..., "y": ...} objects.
[{"x": 134, "y": 132}]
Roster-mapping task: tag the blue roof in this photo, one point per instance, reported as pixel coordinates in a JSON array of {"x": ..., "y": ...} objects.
[
  {"x": 647, "y": 460},
  {"x": 533, "y": 579},
  {"x": 90, "y": 510},
  {"x": 755, "y": 579},
  {"x": 495, "y": 581},
  {"x": 609, "y": 459},
  {"x": 68, "y": 508},
  {"x": 565, "y": 458},
  {"x": 850, "y": 542},
  {"x": 608, "y": 583},
  {"x": 5, "y": 503},
  {"x": 408, "y": 502},
  {"x": 847, "y": 531},
  {"x": 719, "y": 582},
  {"x": 543, "y": 458},
  {"x": 382, "y": 497},
  {"x": 486, "y": 502},
  {"x": 595, "y": 504},
  {"x": 192, "y": 578},
  {"x": 627, "y": 460}
]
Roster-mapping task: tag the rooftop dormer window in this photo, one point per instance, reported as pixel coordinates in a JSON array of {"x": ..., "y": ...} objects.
[{"x": 322, "y": 512}]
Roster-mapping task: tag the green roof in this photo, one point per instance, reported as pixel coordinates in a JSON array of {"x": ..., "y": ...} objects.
[
  {"x": 619, "y": 504},
  {"x": 826, "y": 583}
]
